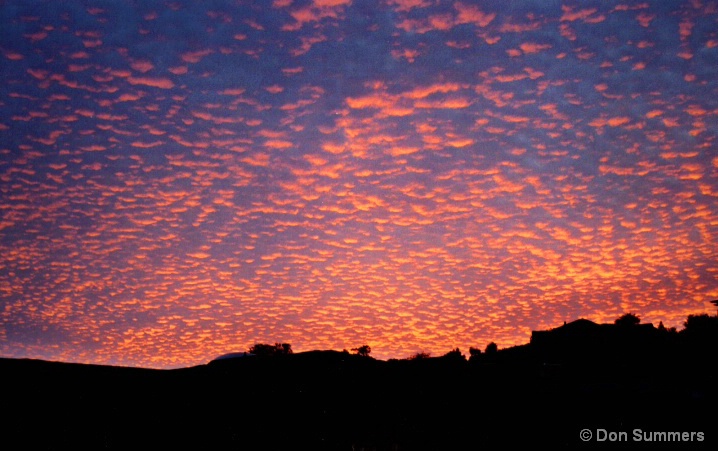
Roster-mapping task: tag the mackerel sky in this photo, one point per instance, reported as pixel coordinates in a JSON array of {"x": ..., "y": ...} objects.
[{"x": 181, "y": 179}]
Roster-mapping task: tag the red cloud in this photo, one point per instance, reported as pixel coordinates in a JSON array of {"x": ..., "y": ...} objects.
[{"x": 163, "y": 83}]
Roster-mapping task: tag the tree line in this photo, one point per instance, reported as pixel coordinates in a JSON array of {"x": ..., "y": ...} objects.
[{"x": 701, "y": 327}]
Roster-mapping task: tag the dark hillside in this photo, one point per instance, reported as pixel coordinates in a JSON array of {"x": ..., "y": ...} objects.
[{"x": 542, "y": 393}]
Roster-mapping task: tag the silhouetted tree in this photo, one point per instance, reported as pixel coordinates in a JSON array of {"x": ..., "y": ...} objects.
[
  {"x": 363, "y": 351},
  {"x": 454, "y": 354},
  {"x": 420, "y": 356},
  {"x": 665, "y": 330},
  {"x": 629, "y": 319},
  {"x": 264, "y": 349},
  {"x": 474, "y": 354},
  {"x": 701, "y": 326},
  {"x": 700, "y": 322},
  {"x": 491, "y": 348}
]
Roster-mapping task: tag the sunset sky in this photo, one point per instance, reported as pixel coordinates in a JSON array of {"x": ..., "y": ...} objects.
[{"x": 182, "y": 179}]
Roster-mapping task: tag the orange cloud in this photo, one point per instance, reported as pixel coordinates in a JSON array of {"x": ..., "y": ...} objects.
[
  {"x": 144, "y": 145},
  {"x": 401, "y": 151},
  {"x": 615, "y": 170},
  {"x": 278, "y": 144},
  {"x": 464, "y": 14},
  {"x": 645, "y": 19},
  {"x": 451, "y": 103},
  {"x": 472, "y": 14},
  {"x": 142, "y": 66},
  {"x": 532, "y": 47},
  {"x": 407, "y": 5},
  {"x": 163, "y": 83},
  {"x": 179, "y": 70},
  {"x": 370, "y": 101},
  {"x": 331, "y": 3},
  {"x": 423, "y": 92},
  {"x": 333, "y": 147},
  {"x": 618, "y": 121},
  {"x": 13, "y": 56},
  {"x": 195, "y": 56},
  {"x": 570, "y": 15},
  {"x": 274, "y": 89}
]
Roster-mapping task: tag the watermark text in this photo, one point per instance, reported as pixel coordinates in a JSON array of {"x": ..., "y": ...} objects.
[{"x": 639, "y": 435}]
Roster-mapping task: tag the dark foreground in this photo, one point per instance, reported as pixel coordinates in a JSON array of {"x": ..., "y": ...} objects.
[{"x": 327, "y": 400}]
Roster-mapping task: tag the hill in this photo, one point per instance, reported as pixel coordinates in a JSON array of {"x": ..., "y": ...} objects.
[{"x": 578, "y": 376}]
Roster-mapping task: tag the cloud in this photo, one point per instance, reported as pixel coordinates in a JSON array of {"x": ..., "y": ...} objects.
[
  {"x": 162, "y": 83},
  {"x": 181, "y": 181},
  {"x": 463, "y": 14}
]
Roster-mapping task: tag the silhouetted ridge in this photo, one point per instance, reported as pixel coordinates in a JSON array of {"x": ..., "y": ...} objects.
[
  {"x": 319, "y": 357},
  {"x": 579, "y": 375},
  {"x": 583, "y": 340},
  {"x": 233, "y": 355}
]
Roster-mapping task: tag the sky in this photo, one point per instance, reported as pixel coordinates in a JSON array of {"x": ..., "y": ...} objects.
[{"x": 183, "y": 179}]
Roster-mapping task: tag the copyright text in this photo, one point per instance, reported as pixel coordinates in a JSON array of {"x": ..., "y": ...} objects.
[{"x": 639, "y": 435}]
